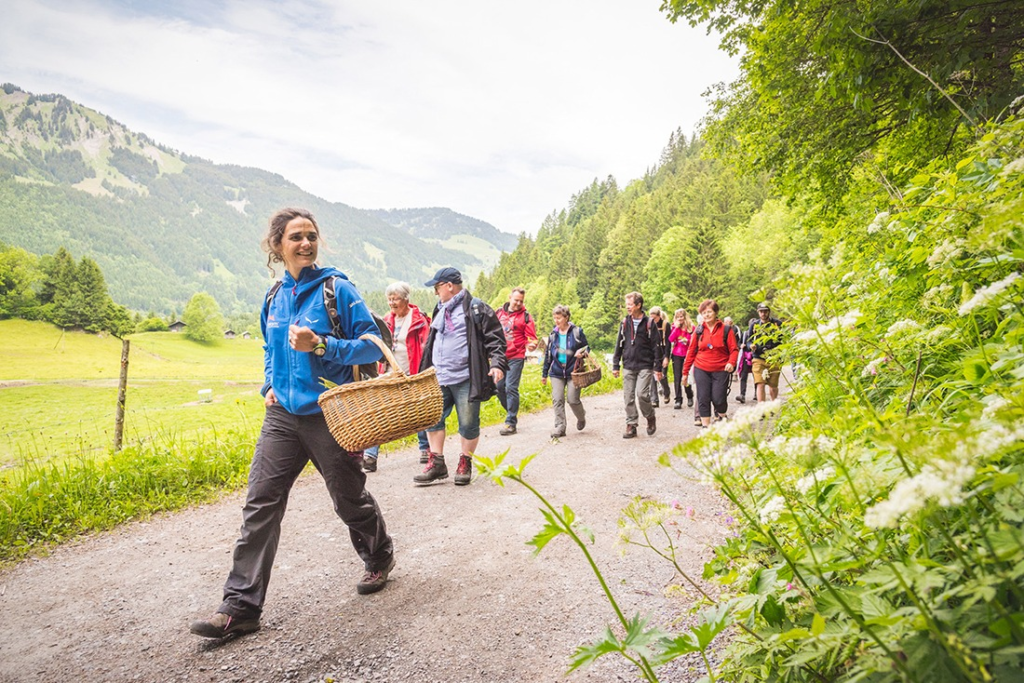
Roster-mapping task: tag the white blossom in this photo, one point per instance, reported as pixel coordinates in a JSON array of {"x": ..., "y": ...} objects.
[
  {"x": 871, "y": 368},
  {"x": 941, "y": 483},
  {"x": 946, "y": 251},
  {"x": 1015, "y": 166},
  {"x": 880, "y": 221},
  {"x": 743, "y": 419},
  {"x": 993, "y": 404},
  {"x": 937, "y": 295},
  {"x": 806, "y": 483},
  {"x": 901, "y": 327},
  {"x": 771, "y": 510},
  {"x": 985, "y": 295},
  {"x": 940, "y": 333}
]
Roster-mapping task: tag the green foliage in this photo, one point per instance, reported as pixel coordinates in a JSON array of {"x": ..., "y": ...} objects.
[
  {"x": 881, "y": 535},
  {"x": 152, "y": 324},
  {"x": 19, "y": 274},
  {"x": 202, "y": 318},
  {"x": 822, "y": 82}
]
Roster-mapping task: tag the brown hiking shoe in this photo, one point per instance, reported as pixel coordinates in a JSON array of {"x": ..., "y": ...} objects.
[
  {"x": 424, "y": 455},
  {"x": 652, "y": 425},
  {"x": 369, "y": 464},
  {"x": 435, "y": 469},
  {"x": 630, "y": 432},
  {"x": 222, "y": 625},
  {"x": 464, "y": 474},
  {"x": 374, "y": 581}
]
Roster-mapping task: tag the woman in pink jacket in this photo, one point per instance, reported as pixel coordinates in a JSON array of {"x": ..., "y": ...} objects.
[{"x": 679, "y": 337}]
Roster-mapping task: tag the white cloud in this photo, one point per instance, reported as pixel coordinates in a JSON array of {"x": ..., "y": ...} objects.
[{"x": 497, "y": 111}]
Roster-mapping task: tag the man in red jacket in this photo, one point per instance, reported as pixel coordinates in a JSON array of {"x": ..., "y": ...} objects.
[{"x": 520, "y": 337}]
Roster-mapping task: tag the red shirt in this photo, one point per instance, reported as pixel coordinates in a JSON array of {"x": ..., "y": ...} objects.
[
  {"x": 518, "y": 332},
  {"x": 707, "y": 351}
]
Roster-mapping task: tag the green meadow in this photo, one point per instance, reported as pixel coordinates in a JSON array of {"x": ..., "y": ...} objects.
[{"x": 58, "y": 390}]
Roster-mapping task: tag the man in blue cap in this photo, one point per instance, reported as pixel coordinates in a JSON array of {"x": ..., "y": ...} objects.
[{"x": 466, "y": 347}]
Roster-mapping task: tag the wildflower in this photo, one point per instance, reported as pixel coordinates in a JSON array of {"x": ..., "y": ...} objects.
[
  {"x": 1015, "y": 166},
  {"x": 902, "y": 327},
  {"x": 946, "y": 251},
  {"x": 744, "y": 419},
  {"x": 941, "y": 482},
  {"x": 689, "y": 512},
  {"x": 940, "y": 333},
  {"x": 807, "y": 483},
  {"x": 937, "y": 296},
  {"x": 878, "y": 223},
  {"x": 872, "y": 367},
  {"x": 770, "y": 511},
  {"x": 993, "y": 404},
  {"x": 985, "y": 295}
]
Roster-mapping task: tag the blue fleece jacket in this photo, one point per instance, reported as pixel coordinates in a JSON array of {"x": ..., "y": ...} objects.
[{"x": 295, "y": 375}]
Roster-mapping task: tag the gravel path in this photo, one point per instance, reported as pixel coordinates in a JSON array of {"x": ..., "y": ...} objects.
[{"x": 467, "y": 600}]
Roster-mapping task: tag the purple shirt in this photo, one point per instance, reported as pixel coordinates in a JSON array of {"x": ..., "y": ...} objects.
[{"x": 451, "y": 343}]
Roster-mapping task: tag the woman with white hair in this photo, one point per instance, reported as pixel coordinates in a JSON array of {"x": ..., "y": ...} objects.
[{"x": 409, "y": 328}]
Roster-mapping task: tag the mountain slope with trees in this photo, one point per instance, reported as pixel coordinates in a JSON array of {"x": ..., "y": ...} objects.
[{"x": 163, "y": 225}]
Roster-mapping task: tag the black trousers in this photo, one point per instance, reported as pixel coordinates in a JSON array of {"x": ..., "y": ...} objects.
[
  {"x": 286, "y": 444},
  {"x": 712, "y": 390},
  {"x": 677, "y": 378}
]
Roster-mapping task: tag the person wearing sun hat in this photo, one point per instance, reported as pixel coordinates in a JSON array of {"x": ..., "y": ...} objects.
[
  {"x": 466, "y": 347},
  {"x": 764, "y": 335}
]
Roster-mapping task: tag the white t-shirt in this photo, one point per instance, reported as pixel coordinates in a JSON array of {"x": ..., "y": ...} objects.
[{"x": 399, "y": 336}]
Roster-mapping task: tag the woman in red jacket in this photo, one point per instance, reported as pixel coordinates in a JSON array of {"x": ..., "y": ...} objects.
[{"x": 712, "y": 353}]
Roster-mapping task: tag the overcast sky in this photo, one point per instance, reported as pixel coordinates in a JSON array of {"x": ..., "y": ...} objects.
[{"x": 500, "y": 111}]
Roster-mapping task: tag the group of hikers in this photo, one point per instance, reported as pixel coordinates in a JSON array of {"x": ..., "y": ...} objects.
[{"x": 312, "y": 321}]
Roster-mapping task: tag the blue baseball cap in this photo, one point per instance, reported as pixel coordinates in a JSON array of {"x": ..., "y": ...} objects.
[{"x": 448, "y": 274}]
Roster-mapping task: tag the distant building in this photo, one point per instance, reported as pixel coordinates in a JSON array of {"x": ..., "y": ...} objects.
[
  {"x": 229, "y": 334},
  {"x": 246, "y": 335},
  {"x": 176, "y": 326}
]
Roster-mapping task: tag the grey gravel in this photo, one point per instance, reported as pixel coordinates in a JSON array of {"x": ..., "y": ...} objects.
[{"x": 467, "y": 601}]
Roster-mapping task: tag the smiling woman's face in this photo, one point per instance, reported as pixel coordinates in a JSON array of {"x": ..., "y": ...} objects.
[{"x": 299, "y": 245}]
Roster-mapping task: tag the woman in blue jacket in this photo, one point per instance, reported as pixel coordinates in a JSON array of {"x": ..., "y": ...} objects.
[
  {"x": 565, "y": 344},
  {"x": 299, "y": 350}
]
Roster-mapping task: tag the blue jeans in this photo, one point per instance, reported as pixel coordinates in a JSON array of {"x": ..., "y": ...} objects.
[
  {"x": 457, "y": 396},
  {"x": 374, "y": 451},
  {"x": 508, "y": 390}
]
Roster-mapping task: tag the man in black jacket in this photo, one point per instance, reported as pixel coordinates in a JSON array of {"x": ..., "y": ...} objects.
[
  {"x": 639, "y": 348},
  {"x": 466, "y": 347}
]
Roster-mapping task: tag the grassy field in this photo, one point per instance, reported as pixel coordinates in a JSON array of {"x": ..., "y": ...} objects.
[{"x": 58, "y": 391}]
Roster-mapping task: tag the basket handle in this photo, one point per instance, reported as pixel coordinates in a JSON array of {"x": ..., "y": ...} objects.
[{"x": 392, "y": 361}]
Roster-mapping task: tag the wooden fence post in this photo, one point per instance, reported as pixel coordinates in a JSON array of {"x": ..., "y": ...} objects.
[{"x": 122, "y": 388}]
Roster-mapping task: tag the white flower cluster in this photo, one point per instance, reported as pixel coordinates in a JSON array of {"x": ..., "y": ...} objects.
[
  {"x": 993, "y": 404},
  {"x": 808, "y": 482},
  {"x": 984, "y": 296},
  {"x": 942, "y": 483},
  {"x": 1015, "y": 166},
  {"x": 743, "y": 419},
  {"x": 871, "y": 368},
  {"x": 902, "y": 327},
  {"x": 938, "y": 334},
  {"x": 881, "y": 220},
  {"x": 829, "y": 331},
  {"x": 771, "y": 510},
  {"x": 799, "y": 447},
  {"x": 949, "y": 249},
  {"x": 937, "y": 296}
]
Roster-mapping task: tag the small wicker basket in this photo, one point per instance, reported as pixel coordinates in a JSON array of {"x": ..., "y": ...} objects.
[
  {"x": 590, "y": 374},
  {"x": 378, "y": 410}
]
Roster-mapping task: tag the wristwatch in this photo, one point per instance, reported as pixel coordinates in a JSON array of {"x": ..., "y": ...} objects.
[{"x": 321, "y": 347}]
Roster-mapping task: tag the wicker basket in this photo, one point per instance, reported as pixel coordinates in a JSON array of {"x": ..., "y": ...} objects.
[
  {"x": 378, "y": 410},
  {"x": 590, "y": 374}
]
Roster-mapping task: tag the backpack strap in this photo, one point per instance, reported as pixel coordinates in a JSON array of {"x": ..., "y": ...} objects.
[
  {"x": 331, "y": 304},
  {"x": 271, "y": 293}
]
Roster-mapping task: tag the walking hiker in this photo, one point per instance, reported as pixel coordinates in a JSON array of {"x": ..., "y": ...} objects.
[
  {"x": 639, "y": 349},
  {"x": 745, "y": 364},
  {"x": 679, "y": 338},
  {"x": 764, "y": 336},
  {"x": 300, "y": 350},
  {"x": 466, "y": 347},
  {"x": 520, "y": 337},
  {"x": 566, "y": 344},
  {"x": 408, "y": 328},
  {"x": 712, "y": 355},
  {"x": 658, "y": 318}
]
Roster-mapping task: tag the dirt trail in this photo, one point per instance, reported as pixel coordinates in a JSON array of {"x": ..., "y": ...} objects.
[{"x": 467, "y": 600}]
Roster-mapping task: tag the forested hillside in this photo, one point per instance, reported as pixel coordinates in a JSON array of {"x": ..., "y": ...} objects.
[{"x": 163, "y": 225}]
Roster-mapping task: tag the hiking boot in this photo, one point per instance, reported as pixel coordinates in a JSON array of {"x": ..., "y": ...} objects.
[
  {"x": 374, "y": 581},
  {"x": 655, "y": 403},
  {"x": 222, "y": 625},
  {"x": 580, "y": 424},
  {"x": 558, "y": 434},
  {"x": 652, "y": 425},
  {"x": 423, "y": 457},
  {"x": 689, "y": 402},
  {"x": 369, "y": 464},
  {"x": 698, "y": 423},
  {"x": 435, "y": 469},
  {"x": 508, "y": 430},
  {"x": 464, "y": 473},
  {"x": 678, "y": 405},
  {"x": 740, "y": 399},
  {"x": 630, "y": 432}
]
